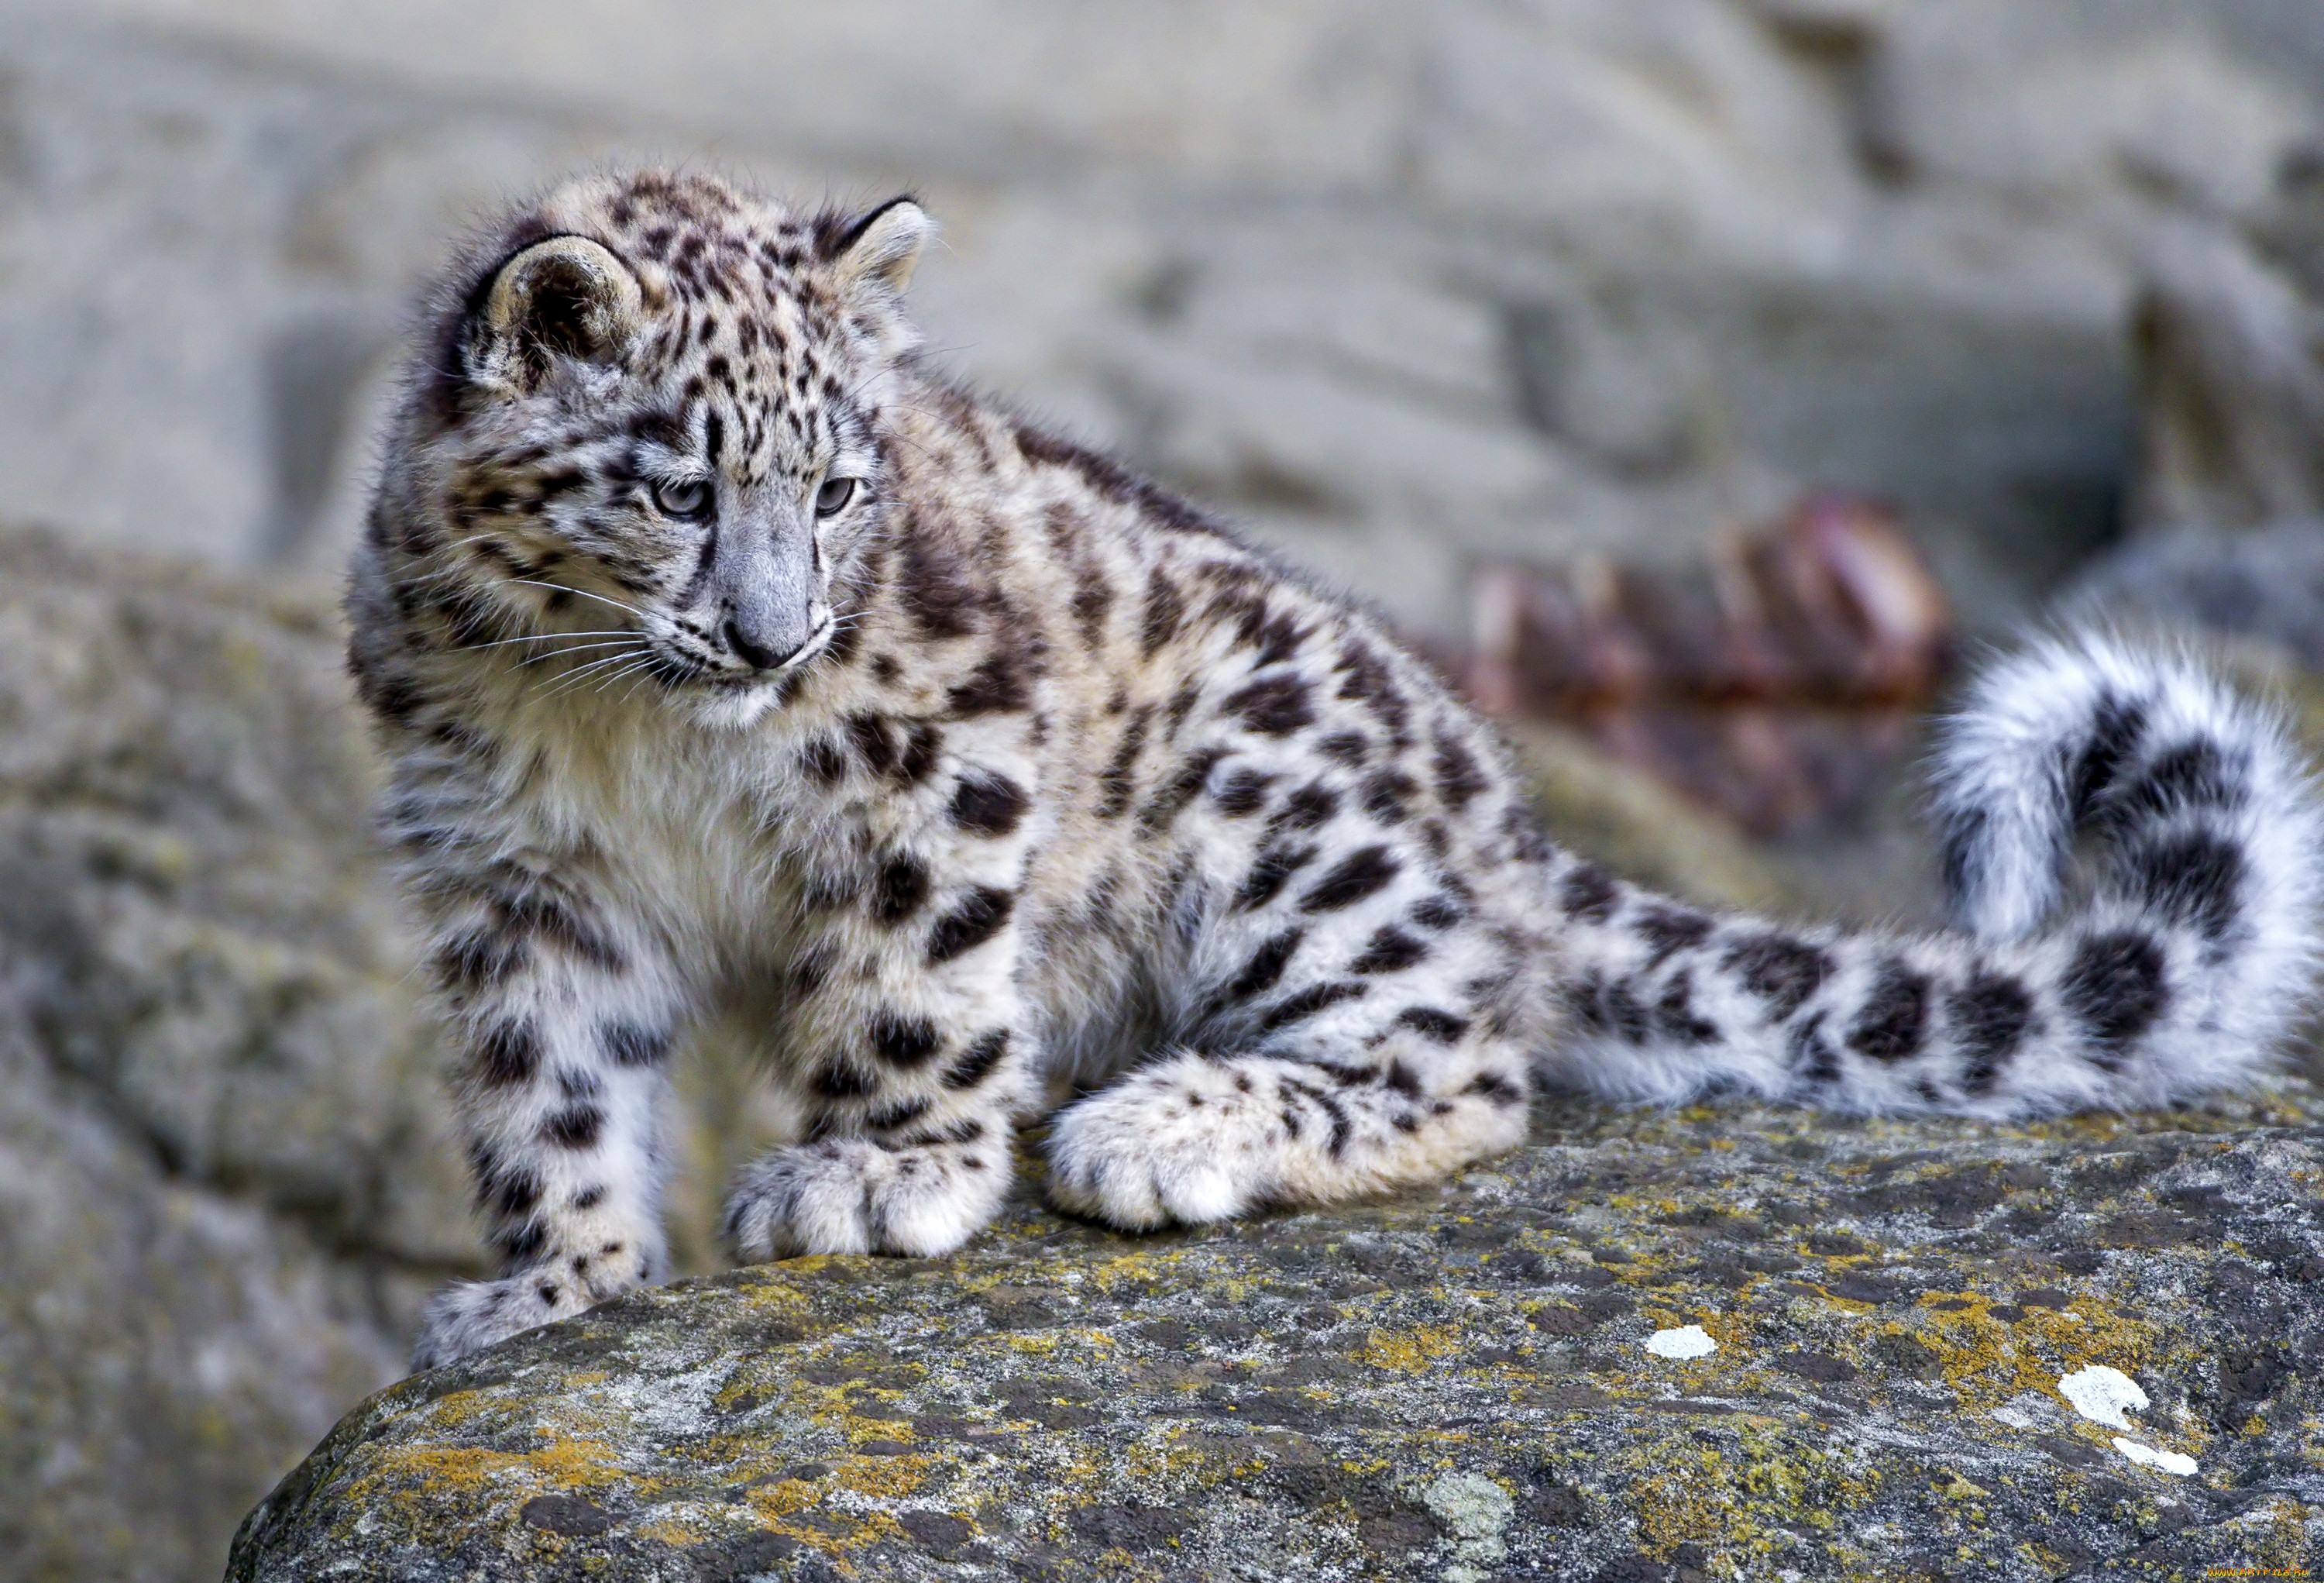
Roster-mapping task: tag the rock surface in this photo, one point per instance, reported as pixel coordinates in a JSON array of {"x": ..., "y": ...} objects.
[{"x": 1456, "y": 1383}]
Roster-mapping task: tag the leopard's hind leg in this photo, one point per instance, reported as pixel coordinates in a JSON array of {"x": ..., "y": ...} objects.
[{"x": 1194, "y": 1138}]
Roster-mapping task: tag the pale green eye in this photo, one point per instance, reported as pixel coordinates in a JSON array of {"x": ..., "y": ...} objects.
[
  {"x": 686, "y": 497},
  {"x": 832, "y": 497}
]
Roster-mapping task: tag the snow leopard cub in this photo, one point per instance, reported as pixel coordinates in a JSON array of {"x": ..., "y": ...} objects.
[{"x": 723, "y": 650}]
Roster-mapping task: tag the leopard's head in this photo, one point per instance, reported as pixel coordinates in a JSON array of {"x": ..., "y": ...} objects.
[{"x": 651, "y": 417}]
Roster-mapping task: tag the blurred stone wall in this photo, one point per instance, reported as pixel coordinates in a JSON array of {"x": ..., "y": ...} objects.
[{"x": 1396, "y": 283}]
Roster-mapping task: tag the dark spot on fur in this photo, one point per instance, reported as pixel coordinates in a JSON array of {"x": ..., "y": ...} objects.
[
  {"x": 2194, "y": 879},
  {"x": 480, "y": 961},
  {"x": 1370, "y": 682},
  {"x": 989, "y": 805},
  {"x": 2115, "y": 730},
  {"x": 508, "y": 1191},
  {"x": 2194, "y": 775},
  {"x": 577, "y": 1127},
  {"x": 1989, "y": 1015},
  {"x": 998, "y": 686},
  {"x": 1117, "y": 781},
  {"x": 1385, "y": 794},
  {"x": 838, "y": 1079},
  {"x": 887, "y": 1118},
  {"x": 1312, "y": 805},
  {"x": 2116, "y": 986},
  {"x": 1355, "y": 876},
  {"x": 977, "y": 920},
  {"x": 918, "y": 760},
  {"x": 1441, "y": 1026},
  {"x": 1165, "y": 610},
  {"x": 1589, "y": 894},
  {"x": 1439, "y": 911},
  {"x": 873, "y": 746},
  {"x": 1390, "y": 950},
  {"x": 1811, "y": 1054},
  {"x": 1092, "y": 598},
  {"x": 1605, "y": 1007},
  {"x": 1893, "y": 1019},
  {"x": 1498, "y": 1090},
  {"x": 935, "y": 586},
  {"x": 1345, "y": 747},
  {"x": 1458, "y": 776},
  {"x": 1184, "y": 788},
  {"x": 1275, "y": 865},
  {"x": 904, "y": 1042},
  {"x": 1306, "y": 1003},
  {"x": 1276, "y": 707},
  {"x": 1668, "y": 930},
  {"x": 1675, "y": 1015},
  {"x": 508, "y": 1053},
  {"x": 1782, "y": 971},
  {"x": 1263, "y": 971},
  {"x": 626, "y": 1044},
  {"x": 1241, "y": 792},
  {"x": 903, "y": 886},
  {"x": 977, "y": 1061},
  {"x": 824, "y": 761}
]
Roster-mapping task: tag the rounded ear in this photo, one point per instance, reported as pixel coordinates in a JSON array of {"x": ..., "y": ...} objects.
[
  {"x": 881, "y": 248},
  {"x": 567, "y": 296}
]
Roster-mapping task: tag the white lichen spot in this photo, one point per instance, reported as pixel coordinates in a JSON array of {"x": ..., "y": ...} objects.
[
  {"x": 2172, "y": 1462},
  {"x": 1472, "y": 1505},
  {"x": 1475, "y": 1510},
  {"x": 2102, "y": 1394},
  {"x": 1686, "y": 1341}
]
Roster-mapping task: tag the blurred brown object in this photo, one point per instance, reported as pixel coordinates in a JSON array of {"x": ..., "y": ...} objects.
[{"x": 1773, "y": 682}]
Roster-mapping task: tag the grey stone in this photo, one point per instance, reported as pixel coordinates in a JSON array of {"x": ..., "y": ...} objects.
[{"x": 1433, "y": 1386}]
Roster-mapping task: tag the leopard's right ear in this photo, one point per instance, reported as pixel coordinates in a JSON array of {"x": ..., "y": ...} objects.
[{"x": 567, "y": 297}]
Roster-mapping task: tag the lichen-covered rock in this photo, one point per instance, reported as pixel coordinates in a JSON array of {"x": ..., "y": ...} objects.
[{"x": 1473, "y": 1381}]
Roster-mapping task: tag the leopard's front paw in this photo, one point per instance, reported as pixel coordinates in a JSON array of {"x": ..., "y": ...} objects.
[
  {"x": 472, "y": 1314},
  {"x": 850, "y": 1195}
]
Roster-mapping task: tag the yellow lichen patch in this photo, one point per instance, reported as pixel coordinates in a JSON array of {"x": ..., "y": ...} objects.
[
  {"x": 1987, "y": 1360},
  {"x": 1684, "y": 1492},
  {"x": 887, "y": 1478},
  {"x": 782, "y": 1496},
  {"x": 417, "y": 1477},
  {"x": 1407, "y": 1351},
  {"x": 1035, "y": 1345}
]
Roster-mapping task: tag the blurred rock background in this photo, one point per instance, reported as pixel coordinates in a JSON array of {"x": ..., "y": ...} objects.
[{"x": 1404, "y": 287}]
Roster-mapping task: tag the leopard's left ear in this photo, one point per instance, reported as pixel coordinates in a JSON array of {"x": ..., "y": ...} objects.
[{"x": 878, "y": 249}]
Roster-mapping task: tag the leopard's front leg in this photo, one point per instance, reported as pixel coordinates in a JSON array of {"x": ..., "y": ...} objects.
[
  {"x": 565, "y": 1016},
  {"x": 906, "y": 1038}
]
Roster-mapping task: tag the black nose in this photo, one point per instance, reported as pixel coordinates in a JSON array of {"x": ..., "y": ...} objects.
[{"x": 749, "y": 652}]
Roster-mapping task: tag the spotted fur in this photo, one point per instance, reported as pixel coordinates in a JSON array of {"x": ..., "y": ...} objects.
[{"x": 726, "y": 655}]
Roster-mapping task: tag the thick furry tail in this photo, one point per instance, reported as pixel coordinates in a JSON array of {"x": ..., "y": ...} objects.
[{"x": 2179, "y": 973}]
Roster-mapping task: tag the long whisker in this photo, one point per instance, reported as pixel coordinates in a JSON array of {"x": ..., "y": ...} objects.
[
  {"x": 542, "y": 637},
  {"x": 618, "y": 675},
  {"x": 579, "y": 593},
  {"x": 574, "y": 676},
  {"x": 631, "y": 644}
]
